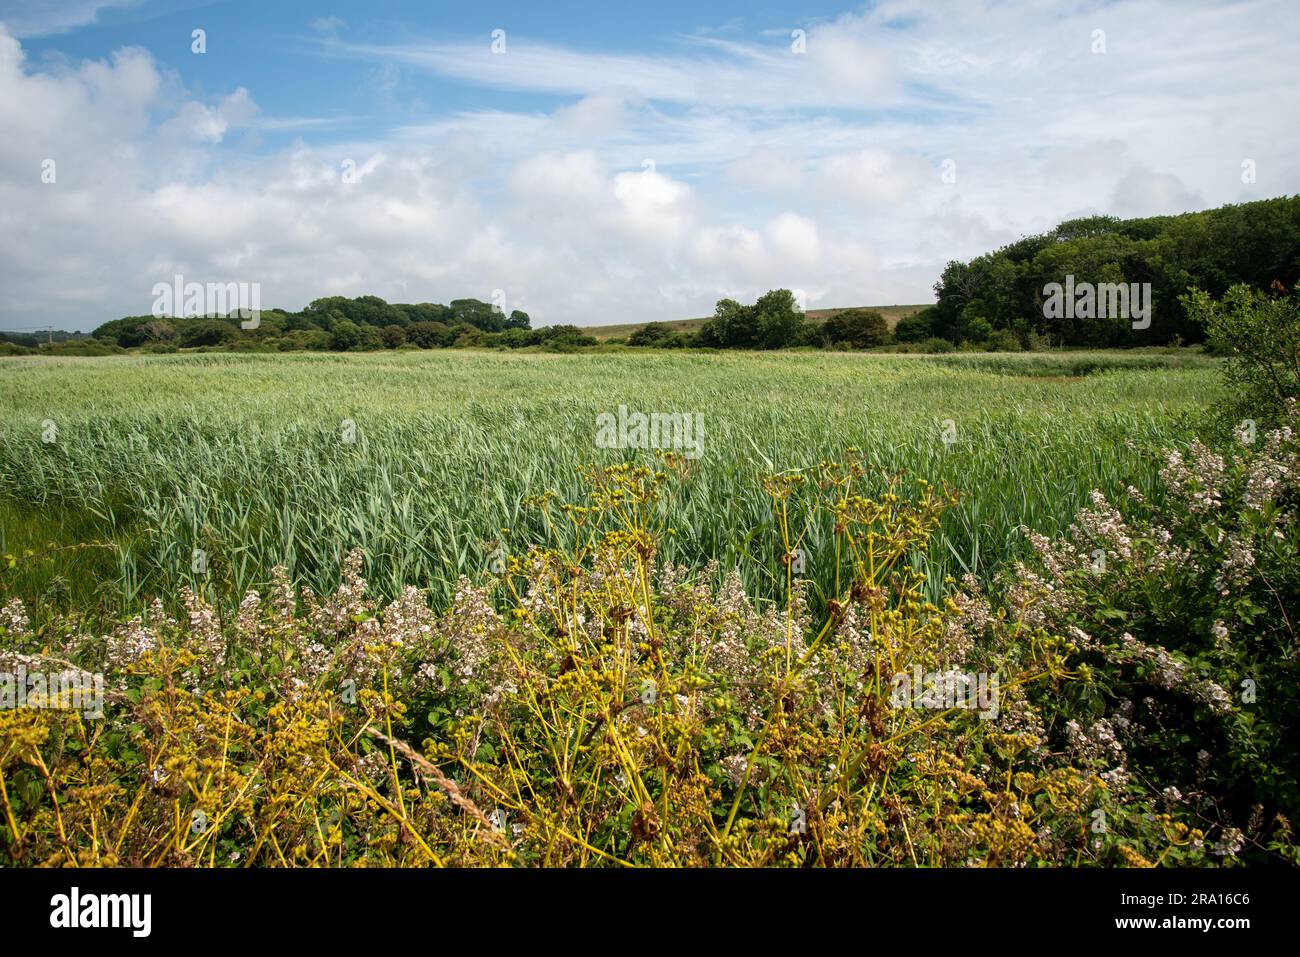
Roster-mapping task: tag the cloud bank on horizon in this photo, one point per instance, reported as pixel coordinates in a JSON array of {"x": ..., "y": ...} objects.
[{"x": 600, "y": 173}]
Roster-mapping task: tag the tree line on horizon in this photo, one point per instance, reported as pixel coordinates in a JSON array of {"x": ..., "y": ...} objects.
[
  {"x": 339, "y": 324},
  {"x": 993, "y": 302},
  {"x": 1254, "y": 244}
]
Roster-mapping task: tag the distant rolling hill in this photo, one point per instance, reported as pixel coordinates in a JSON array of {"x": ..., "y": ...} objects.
[{"x": 622, "y": 330}]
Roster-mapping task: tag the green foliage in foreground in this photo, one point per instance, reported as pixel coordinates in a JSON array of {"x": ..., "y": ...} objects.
[{"x": 594, "y": 705}]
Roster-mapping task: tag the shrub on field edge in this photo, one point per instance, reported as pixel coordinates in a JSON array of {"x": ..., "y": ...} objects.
[
  {"x": 936, "y": 346},
  {"x": 1260, "y": 335},
  {"x": 1183, "y": 611},
  {"x": 1003, "y": 340}
]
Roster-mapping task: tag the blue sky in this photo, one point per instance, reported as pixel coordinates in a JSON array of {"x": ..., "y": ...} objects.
[{"x": 614, "y": 162}]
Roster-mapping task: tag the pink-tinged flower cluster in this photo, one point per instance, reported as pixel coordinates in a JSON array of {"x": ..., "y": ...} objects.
[
  {"x": 131, "y": 642},
  {"x": 204, "y": 635},
  {"x": 472, "y": 629},
  {"x": 1274, "y": 470},
  {"x": 1197, "y": 478},
  {"x": 1104, "y": 525},
  {"x": 1237, "y": 567},
  {"x": 1171, "y": 674},
  {"x": 14, "y": 620},
  {"x": 969, "y": 619},
  {"x": 337, "y": 614}
]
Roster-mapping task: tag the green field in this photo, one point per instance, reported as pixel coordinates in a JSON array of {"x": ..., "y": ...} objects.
[{"x": 247, "y": 458}]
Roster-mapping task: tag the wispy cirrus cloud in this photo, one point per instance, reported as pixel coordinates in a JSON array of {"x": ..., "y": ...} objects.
[
  {"x": 837, "y": 70},
  {"x": 41, "y": 18}
]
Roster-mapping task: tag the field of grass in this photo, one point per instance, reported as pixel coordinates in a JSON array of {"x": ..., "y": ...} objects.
[
  {"x": 622, "y": 330},
  {"x": 424, "y": 459}
]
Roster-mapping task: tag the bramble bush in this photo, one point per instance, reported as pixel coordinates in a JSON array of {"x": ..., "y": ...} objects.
[{"x": 1183, "y": 612}]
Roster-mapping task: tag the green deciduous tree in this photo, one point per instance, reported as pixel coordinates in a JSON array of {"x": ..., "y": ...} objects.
[
  {"x": 777, "y": 319},
  {"x": 860, "y": 328},
  {"x": 1260, "y": 335}
]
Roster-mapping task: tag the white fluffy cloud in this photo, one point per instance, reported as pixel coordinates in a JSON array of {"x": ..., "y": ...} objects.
[{"x": 872, "y": 177}]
